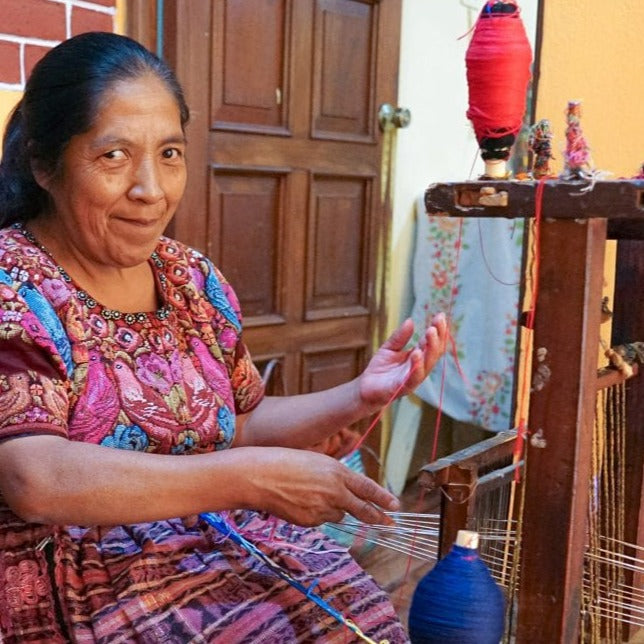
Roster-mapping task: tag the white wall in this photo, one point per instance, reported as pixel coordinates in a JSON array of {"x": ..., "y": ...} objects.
[{"x": 439, "y": 144}]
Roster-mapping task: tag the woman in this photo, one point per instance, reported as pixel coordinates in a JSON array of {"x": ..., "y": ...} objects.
[{"x": 112, "y": 335}]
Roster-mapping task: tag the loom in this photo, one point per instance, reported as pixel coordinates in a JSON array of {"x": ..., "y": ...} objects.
[{"x": 564, "y": 535}]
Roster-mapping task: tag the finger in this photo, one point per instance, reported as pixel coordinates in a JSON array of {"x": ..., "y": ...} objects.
[
  {"x": 439, "y": 321},
  {"x": 400, "y": 337},
  {"x": 435, "y": 340},
  {"x": 433, "y": 350},
  {"x": 369, "y": 500},
  {"x": 417, "y": 369},
  {"x": 368, "y": 513}
]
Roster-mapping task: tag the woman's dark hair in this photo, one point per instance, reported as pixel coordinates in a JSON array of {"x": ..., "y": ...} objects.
[{"x": 61, "y": 99}]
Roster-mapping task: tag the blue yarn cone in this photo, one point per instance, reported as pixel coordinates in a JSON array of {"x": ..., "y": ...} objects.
[{"x": 457, "y": 602}]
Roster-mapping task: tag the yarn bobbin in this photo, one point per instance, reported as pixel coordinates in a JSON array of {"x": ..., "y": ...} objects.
[
  {"x": 458, "y": 601},
  {"x": 498, "y": 61}
]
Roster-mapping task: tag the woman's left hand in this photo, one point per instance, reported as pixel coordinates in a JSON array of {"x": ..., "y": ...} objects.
[{"x": 396, "y": 369}]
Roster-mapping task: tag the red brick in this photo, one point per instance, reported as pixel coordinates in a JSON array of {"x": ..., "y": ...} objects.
[
  {"x": 105, "y": 3},
  {"x": 33, "y": 53},
  {"x": 33, "y": 19},
  {"x": 9, "y": 62},
  {"x": 87, "y": 20}
]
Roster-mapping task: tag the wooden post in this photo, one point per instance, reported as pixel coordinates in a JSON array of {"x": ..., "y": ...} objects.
[
  {"x": 628, "y": 326},
  {"x": 565, "y": 350}
]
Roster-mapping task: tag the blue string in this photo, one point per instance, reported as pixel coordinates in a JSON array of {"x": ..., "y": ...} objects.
[
  {"x": 227, "y": 530},
  {"x": 457, "y": 602}
]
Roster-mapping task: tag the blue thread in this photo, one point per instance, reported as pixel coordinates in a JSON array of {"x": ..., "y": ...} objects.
[
  {"x": 227, "y": 530},
  {"x": 457, "y": 602},
  {"x": 311, "y": 588}
]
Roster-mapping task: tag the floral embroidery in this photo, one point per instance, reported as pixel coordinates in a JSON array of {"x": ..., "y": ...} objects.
[
  {"x": 25, "y": 585},
  {"x": 154, "y": 371},
  {"x": 226, "y": 421},
  {"x": 453, "y": 272},
  {"x": 145, "y": 381},
  {"x": 130, "y": 437}
]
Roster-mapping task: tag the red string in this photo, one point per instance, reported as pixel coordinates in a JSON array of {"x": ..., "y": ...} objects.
[
  {"x": 439, "y": 408},
  {"x": 378, "y": 416},
  {"x": 498, "y": 72},
  {"x": 448, "y": 315}
]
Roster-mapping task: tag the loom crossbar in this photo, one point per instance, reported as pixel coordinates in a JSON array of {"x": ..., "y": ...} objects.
[{"x": 459, "y": 476}]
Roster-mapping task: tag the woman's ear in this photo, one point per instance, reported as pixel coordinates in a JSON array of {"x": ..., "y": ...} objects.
[
  {"x": 42, "y": 174},
  {"x": 43, "y": 177}
]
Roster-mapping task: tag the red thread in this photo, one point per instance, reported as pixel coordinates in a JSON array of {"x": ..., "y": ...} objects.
[
  {"x": 439, "y": 409},
  {"x": 498, "y": 72},
  {"x": 384, "y": 408}
]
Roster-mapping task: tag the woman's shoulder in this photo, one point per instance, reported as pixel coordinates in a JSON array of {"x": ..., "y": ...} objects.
[
  {"x": 175, "y": 254},
  {"x": 185, "y": 266},
  {"x": 30, "y": 298},
  {"x": 21, "y": 258}
]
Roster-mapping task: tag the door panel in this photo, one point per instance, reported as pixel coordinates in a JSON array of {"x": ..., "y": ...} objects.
[
  {"x": 324, "y": 369},
  {"x": 247, "y": 211},
  {"x": 247, "y": 93},
  {"x": 338, "y": 261},
  {"x": 284, "y": 168},
  {"x": 344, "y": 69}
]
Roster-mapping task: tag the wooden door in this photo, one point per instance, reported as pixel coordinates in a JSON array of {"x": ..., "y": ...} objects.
[{"x": 284, "y": 164}]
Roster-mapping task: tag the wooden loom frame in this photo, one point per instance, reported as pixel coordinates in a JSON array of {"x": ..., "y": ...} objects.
[{"x": 577, "y": 220}]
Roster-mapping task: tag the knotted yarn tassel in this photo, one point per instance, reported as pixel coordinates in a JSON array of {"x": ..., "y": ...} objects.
[
  {"x": 578, "y": 164},
  {"x": 498, "y": 60},
  {"x": 541, "y": 145},
  {"x": 458, "y": 601}
]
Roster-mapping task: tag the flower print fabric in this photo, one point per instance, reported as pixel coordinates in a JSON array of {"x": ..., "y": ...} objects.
[{"x": 169, "y": 381}]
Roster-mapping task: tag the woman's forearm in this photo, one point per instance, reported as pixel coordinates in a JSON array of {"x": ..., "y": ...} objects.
[
  {"x": 303, "y": 420},
  {"x": 47, "y": 479}
]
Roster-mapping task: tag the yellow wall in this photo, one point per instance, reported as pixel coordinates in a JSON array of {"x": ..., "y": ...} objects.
[
  {"x": 7, "y": 101},
  {"x": 593, "y": 51},
  {"x": 119, "y": 19}
]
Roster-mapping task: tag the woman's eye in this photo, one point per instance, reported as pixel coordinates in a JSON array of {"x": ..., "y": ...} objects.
[
  {"x": 172, "y": 153},
  {"x": 115, "y": 154}
]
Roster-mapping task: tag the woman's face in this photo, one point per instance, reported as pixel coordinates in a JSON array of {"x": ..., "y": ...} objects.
[{"x": 122, "y": 180}]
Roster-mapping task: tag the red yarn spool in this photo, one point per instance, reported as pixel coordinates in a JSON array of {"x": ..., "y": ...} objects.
[{"x": 498, "y": 61}]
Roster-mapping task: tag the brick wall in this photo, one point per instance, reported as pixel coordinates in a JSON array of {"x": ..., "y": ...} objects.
[{"x": 29, "y": 28}]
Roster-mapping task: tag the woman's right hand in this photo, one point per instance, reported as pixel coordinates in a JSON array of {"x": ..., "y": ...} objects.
[{"x": 308, "y": 488}]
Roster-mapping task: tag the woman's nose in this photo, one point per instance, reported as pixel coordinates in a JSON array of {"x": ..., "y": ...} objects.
[{"x": 146, "y": 184}]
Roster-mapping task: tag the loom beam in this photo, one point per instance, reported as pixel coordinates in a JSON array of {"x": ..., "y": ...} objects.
[
  {"x": 620, "y": 202},
  {"x": 578, "y": 218}
]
